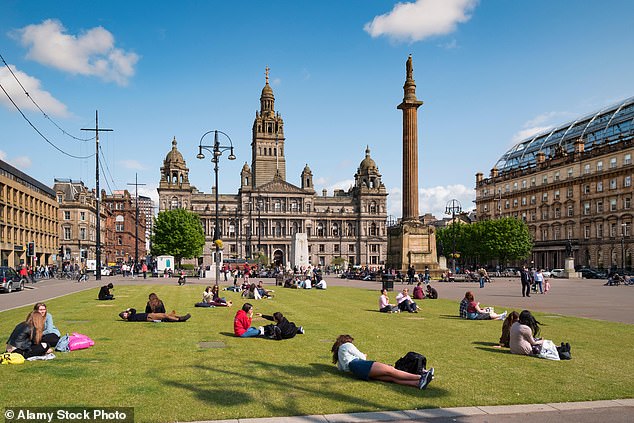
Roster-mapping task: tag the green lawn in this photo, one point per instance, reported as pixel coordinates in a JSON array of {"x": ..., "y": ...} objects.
[{"x": 161, "y": 371}]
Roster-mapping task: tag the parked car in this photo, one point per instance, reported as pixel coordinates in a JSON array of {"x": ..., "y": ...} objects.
[
  {"x": 592, "y": 274},
  {"x": 547, "y": 273},
  {"x": 106, "y": 271},
  {"x": 10, "y": 280},
  {"x": 558, "y": 273}
]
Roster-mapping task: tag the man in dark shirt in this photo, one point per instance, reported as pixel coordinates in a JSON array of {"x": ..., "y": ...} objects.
[
  {"x": 432, "y": 294},
  {"x": 131, "y": 315},
  {"x": 104, "y": 292}
]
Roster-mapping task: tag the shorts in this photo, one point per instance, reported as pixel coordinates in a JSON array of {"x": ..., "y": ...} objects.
[{"x": 360, "y": 368}]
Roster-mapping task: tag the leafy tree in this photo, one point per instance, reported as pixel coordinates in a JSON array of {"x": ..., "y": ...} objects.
[
  {"x": 178, "y": 233},
  {"x": 504, "y": 239}
]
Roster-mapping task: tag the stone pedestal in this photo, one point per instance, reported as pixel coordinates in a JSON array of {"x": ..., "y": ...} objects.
[
  {"x": 569, "y": 268},
  {"x": 299, "y": 251},
  {"x": 412, "y": 244}
]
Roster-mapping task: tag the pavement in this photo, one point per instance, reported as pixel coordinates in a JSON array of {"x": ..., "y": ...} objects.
[{"x": 574, "y": 297}]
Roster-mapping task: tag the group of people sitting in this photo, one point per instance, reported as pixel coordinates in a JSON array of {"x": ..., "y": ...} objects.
[
  {"x": 212, "y": 298},
  {"x": 281, "y": 329},
  {"x": 307, "y": 282},
  {"x": 403, "y": 300},
  {"x": 35, "y": 337}
]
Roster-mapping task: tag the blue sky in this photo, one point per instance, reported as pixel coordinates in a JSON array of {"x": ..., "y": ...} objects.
[{"x": 490, "y": 72}]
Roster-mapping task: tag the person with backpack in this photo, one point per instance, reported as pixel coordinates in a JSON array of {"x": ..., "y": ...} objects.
[
  {"x": 282, "y": 329},
  {"x": 349, "y": 359}
]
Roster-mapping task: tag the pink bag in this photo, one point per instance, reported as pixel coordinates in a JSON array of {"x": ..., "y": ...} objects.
[{"x": 78, "y": 341}]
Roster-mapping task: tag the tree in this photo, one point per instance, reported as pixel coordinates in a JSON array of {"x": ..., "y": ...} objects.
[
  {"x": 503, "y": 239},
  {"x": 178, "y": 233}
]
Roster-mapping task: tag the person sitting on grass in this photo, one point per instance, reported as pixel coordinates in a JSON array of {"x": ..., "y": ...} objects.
[
  {"x": 50, "y": 334},
  {"x": 282, "y": 329},
  {"x": 104, "y": 292},
  {"x": 321, "y": 284},
  {"x": 349, "y": 359},
  {"x": 264, "y": 293},
  {"x": 463, "y": 306},
  {"x": 432, "y": 294},
  {"x": 130, "y": 315},
  {"x": 418, "y": 292},
  {"x": 26, "y": 338},
  {"x": 154, "y": 304},
  {"x": 505, "y": 339},
  {"x": 384, "y": 303},
  {"x": 474, "y": 312},
  {"x": 524, "y": 335},
  {"x": 242, "y": 323},
  {"x": 405, "y": 302},
  {"x": 252, "y": 293}
]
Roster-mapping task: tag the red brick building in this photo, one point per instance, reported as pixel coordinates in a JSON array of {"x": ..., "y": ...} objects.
[{"x": 121, "y": 242}]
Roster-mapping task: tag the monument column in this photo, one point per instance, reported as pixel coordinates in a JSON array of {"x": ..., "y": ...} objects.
[
  {"x": 411, "y": 243},
  {"x": 410, "y": 106}
]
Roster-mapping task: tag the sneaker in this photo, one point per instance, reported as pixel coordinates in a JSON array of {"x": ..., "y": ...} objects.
[
  {"x": 261, "y": 329},
  {"x": 185, "y": 318},
  {"x": 425, "y": 379},
  {"x": 431, "y": 370},
  {"x": 301, "y": 330},
  {"x": 502, "y": 316}
]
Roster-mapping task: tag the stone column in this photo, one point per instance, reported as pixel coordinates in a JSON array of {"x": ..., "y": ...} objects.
[{"x": 410, "y": 106}]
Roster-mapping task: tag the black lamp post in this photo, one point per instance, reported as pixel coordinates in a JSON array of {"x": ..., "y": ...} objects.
[
  {"x": 623, "y": 225},
  {"x": 453, "y": 207},
  {"x": 216, "y": 150}
]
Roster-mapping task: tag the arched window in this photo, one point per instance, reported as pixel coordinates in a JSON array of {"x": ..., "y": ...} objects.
[
  {"x": 372, "y": 208},
  {"x": 174, "y": 203},
  {"x": 335, "y": 229},
  {"x": 320, "y": 229}
]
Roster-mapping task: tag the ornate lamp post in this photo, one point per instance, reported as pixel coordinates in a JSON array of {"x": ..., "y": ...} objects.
[
  {"x": 453, "y": 207},
  {"x": 216, "y": 150}
]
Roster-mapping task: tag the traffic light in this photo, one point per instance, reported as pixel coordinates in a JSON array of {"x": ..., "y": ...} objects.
[
  {"x": 61, "y": 251},
  {"x": 30, "y": 249}
]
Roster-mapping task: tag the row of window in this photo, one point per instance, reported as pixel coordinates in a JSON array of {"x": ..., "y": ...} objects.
[
  {"x": 556, "y": 176},
  {"x": 559, "y": 232},
  {"x": 28, "y": 220},
  {"x": 22, "y": 237},
  {"x": 68, "y": 234}
]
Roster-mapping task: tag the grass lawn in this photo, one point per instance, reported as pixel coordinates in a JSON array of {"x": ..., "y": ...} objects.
[{"x": 161, "y": 370}]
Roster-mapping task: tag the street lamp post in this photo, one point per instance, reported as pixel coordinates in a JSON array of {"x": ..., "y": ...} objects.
[
  {"x": 453, "y": 207},
  {"x": 623, "y": 226},
  {"x": 216, "y": 150},
  {"x": 259, "y": 206}
]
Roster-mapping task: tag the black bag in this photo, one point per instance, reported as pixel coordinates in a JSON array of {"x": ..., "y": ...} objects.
[
  {"x": 412, "y": 362},
  {"x": 564, "y": 351}
]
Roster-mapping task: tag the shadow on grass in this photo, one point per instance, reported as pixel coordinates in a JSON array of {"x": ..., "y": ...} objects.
[
  {"x": 495, "y": 350},
  {"x": 450, "y": 316},
  {"x": 295, "y": 384},
  {"x": 485, "y": 344}
]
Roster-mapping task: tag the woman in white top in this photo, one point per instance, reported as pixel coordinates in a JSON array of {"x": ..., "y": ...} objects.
[
  {"x": 384, "y": 303},
  {"x": 349, "y": 359}
]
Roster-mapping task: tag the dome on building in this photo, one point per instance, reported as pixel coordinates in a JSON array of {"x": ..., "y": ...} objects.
[
  {"x": 174, "y": 156},
  {"x": 367, "y": 163}
]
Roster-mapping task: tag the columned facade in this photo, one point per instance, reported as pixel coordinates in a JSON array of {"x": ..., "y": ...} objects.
[{"x": 262, "y": 217}]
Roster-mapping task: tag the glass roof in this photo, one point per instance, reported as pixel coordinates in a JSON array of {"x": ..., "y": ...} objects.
[{"x": 606, "y": 126}]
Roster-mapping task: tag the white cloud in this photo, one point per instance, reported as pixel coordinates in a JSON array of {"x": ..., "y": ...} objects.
[
  {"x": 20, "y": 162},
  {"x": 150, "y": 191},
  {"x": 324, "y": 183},
  {"x": 132, "y": 164},
  {"x": 538, "y": 124},
  {"x": 421, "y": 19},
  {"x": 433, "y": 200},
  {"x": 91, "y": 53},
  {"x": 47, "y": 102},
  {"x": 528, "y": 132}
]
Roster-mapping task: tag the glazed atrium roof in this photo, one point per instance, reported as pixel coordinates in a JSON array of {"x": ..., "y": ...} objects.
[{"x": 607, "y": 126}]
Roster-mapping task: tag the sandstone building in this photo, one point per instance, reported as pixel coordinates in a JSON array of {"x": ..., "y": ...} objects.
[
  {"x": 268, "y": 210},
  {"x": 573, "y": 182}
]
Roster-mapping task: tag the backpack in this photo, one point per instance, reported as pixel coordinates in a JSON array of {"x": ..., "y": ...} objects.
[
  {"x": 11, "y": 358},
  {"x": 62, "y": 344},
  {"x": 412, "y": 362},
  {"x": 79, "y": 341}
]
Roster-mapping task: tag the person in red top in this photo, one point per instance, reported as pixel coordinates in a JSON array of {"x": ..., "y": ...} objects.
[
  {"x": 242, "y": 323},
  {"x": 144, "y": 270}
]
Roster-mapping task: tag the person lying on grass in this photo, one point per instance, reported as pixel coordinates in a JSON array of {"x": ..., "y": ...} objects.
[
  {"x": 282, "y": 329},
  {"x": 349, "y": 359},
  {"x": 130, "y": 315}
]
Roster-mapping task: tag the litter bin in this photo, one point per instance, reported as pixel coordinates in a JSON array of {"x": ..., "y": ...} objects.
[{"x": 387, "y": 282}]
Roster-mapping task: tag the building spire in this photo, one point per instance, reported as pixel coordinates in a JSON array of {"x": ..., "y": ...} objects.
[{"x": 266, "y": 72}]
